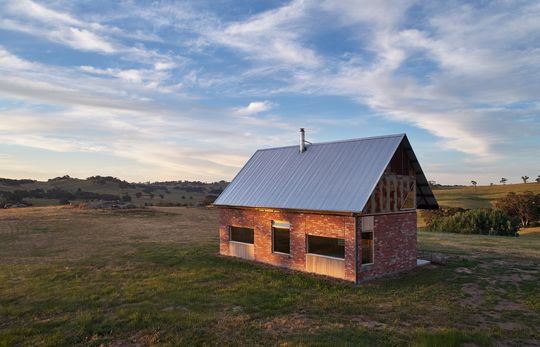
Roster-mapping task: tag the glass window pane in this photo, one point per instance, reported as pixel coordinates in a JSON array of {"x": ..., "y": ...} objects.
[
  {"x": 239, "y": 234},
  {"x": 367, "y": 248},
  {"x": 282, "y": 239},
  {"x": 329, "y": 246}
]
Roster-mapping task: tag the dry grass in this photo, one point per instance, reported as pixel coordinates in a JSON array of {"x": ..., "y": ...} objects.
[
  {"x": 481, "y": 196},
  {"x": 145, "y": 277}
]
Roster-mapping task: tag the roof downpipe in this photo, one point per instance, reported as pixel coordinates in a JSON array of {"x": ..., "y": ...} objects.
[{"x": 302, "y": 140}]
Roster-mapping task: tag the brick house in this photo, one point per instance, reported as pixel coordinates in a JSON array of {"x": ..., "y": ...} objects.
[{"x": 344, "y": 209}]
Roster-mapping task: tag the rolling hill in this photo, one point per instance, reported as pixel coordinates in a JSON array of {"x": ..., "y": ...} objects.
[
  {"x": 481, "y": 196},
  {"x": 195, "y": 193},
  {"x": 62, "y": 189}
]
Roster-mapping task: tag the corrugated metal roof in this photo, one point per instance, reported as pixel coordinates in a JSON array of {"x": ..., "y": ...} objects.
[{"x": 331, "y": 176}]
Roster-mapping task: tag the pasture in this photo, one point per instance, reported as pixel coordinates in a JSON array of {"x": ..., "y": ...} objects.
[
  {"x": 481, "y": 196},
  {"x": 153, "y": 276}
]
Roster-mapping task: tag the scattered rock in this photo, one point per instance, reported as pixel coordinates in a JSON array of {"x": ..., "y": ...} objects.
[{"x": 436, "y": 258}]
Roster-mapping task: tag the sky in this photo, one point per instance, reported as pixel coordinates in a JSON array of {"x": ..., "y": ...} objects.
[{"x": 174, "y": 90}]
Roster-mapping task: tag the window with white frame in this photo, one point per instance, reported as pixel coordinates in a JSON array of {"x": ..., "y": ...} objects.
[{"x": 281, "y": 237}]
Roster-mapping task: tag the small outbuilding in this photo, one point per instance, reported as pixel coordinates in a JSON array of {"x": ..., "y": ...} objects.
[{"x": 345, "y": 209}]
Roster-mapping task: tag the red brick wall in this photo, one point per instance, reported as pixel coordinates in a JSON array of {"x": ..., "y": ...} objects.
[
  {"x": 395, "y": 238},
  {"x": 395, "y": 245},
  {"x": 301, "y": 224}
]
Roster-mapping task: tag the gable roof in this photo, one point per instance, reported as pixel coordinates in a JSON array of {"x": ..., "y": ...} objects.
[{"x": 331, "y": 176}]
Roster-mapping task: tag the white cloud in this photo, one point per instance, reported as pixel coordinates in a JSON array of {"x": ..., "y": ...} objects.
[
  {"x": 451, "y": 102},
  {"x": 464, "y": 73},
  {"x": 42, "y": 13},
  {"x": 83, "y": 39},
  {"x": 13, "y": 62},
  {"x": 275, "y": 35},
  {"x": 253, "y": 108},
  {"x": 55, "y": 26}
]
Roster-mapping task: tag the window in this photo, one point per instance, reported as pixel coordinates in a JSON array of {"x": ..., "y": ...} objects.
[
  {"x": 367, "y": 246},
  {"x": 329, "y": 246},
  {"x": 239, "y": 234},
  {"x": 409, "y": 202},
  {"x": 281, "y": 237}
]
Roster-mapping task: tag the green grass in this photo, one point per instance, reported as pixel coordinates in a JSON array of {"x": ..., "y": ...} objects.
[
  {"x": 481, "y": 196},
  {"x": 153, "y": 277}
]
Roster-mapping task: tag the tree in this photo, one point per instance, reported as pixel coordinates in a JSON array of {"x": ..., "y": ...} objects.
[
  {"x": 474, "y": 183},
  {"x": 503, "y": 180},
  {"x": 526, "y": 206},
  {"x": 126, "y": 198},
  {"x": 524, "y": 178},
  {"x": 138, "y": 194},
  {"x": 537, "y": 179}
]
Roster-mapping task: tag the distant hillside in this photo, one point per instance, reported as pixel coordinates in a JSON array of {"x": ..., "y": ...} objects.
[
  {"x": 481, "y": 196},
  {"x": 61, "y": 190}
]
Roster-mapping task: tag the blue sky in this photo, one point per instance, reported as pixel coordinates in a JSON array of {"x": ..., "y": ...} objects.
[{"x": 169, "y": 90}]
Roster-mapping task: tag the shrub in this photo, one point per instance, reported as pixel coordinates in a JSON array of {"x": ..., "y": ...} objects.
[
  {"x": 430, "y": 215},
  {"x": 487, "y": 222}
]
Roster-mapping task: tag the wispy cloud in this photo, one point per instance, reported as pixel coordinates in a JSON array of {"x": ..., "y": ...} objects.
[{"x": 190, "y": 88}]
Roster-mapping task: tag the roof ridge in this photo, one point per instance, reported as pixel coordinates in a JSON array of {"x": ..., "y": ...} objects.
[{"x": 338, "y": 141}]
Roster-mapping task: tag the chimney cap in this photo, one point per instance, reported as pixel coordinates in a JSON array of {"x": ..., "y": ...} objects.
[{"x": 302, "y": 140}]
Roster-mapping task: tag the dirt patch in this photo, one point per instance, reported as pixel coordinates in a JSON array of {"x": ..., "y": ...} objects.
[
  {"x": 367, "y": 322},
  {"x": 516, "y": 277},
  {"x": 507, "y": 305},
  {"x": 230, "y": 322},
  {"x": 463, "y": 270},
  {"x": 475, "y": 294},
  {"x": 140, "y": 339},
  {"x": 295, "y": 323}
]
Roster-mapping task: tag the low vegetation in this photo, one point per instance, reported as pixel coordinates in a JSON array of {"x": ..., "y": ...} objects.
[
  {"x": 511, "y": 212},
  {"x": 153, "y": 276},
  {"x": 479, "y": 221}
]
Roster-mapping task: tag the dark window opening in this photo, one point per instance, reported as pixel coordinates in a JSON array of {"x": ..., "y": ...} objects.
[
  {"x": 281, "y": 240},
  {"x": 239, "y": 234},
  {"x": 329, "y": 246},
  {"x": 367, "y": 247}
]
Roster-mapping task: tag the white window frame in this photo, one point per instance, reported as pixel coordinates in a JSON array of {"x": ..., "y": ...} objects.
[{"x": 283, "y": 226}]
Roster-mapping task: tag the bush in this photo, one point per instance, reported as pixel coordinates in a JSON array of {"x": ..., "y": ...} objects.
[
  {"x": 486, "y": 222},
  {"x": 430, "y": 215},
  {"x": 526, "y": 206}
]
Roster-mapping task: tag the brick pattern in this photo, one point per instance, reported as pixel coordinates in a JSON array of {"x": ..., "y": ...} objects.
[
  {"x": 395, "y": 238},
  {"x": 302, "y": 224},
  {"x": 395, "y": 245}
]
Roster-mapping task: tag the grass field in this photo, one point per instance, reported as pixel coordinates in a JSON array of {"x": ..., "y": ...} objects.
[
  {"x": 481, "y": 196},
  {"x": 143, "y": 277}
]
